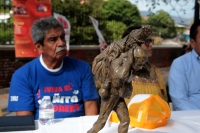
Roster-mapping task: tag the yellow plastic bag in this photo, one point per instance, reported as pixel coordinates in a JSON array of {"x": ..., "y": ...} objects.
[{"x": 150, "y": 113}]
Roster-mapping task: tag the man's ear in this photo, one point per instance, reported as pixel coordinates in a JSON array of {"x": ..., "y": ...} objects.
[
  {"x": 38, "y": 47},
  {"x": 192, "y": 42}
]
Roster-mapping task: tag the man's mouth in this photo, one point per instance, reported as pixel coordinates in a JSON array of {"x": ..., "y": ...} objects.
[{"x": 58, "y": 49}]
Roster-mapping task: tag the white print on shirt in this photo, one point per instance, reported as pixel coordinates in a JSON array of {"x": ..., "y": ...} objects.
[
  {"x": 75, "y": 92},
  {"x": 13, "y": 98},
  {"x": 59, "y": 89},
  {"x": 64, "y": 99}
]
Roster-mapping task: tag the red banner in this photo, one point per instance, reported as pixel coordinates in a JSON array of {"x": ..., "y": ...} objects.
[{"x": 25, "y": 12}]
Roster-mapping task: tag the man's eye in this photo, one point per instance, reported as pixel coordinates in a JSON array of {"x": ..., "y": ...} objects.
[
  {"x": 63, "y": 37},
  {"x": 53, "y": 39}
]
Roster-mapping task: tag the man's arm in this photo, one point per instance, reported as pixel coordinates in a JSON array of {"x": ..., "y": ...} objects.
[
  {"x": 21, "y": 99},
  {"x": 89, "y": 91},
  {"x": 22, "y": 113},
  {"x": 91, "y": 107},
  {"x": 178, "y": 87}
]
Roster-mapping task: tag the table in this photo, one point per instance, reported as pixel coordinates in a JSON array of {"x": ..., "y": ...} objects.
[{"x": 180, "y": 122}]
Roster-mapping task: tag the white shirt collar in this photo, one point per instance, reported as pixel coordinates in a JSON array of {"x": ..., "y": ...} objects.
[{"x": 51, "y": 70}]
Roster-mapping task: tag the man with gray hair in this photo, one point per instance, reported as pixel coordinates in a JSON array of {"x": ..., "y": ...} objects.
[{"x": 68, "y": 81}]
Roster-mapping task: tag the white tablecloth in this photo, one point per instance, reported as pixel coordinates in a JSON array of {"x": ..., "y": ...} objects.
[{"x": 180, "y": 122}]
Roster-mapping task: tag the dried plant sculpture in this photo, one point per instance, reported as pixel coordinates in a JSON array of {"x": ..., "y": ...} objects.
[{"x": 115, "y": 68}]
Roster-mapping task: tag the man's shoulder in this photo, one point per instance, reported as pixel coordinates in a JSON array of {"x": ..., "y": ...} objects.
[
  {"x": 75, "y": 61},
  {"x": 28, "y": 66},
  {"x": 184, "y": 59},
  {"x": 182, "y": 63}
]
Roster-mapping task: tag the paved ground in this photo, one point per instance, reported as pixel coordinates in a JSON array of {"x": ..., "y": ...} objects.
[
  {"x": 4, "y": 93},
  {"x": 4, "y": 102},
  {"x": 165, "y": 72}
]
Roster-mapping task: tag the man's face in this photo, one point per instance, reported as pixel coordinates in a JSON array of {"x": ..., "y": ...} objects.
[
  {"x": 54, "y": 44},
  {"x": 196, "y": 43},
  {"x": 148, "y": 46}
]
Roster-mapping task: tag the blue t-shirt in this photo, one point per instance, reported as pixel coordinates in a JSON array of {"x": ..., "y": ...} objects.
[{"x": 68, "y": 88}]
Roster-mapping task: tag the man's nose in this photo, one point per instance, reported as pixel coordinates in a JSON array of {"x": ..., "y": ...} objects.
[{"x": 61, "y": 41}]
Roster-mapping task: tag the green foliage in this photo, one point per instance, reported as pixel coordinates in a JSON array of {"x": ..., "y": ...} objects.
[
  {"x": 113, "y": 17},
  {"x": 162, "y": 24},
  {"x": 6, "y": 28},
  {"x": 179, "y": 30},
  {"x": 116, "y": 29},
  {"x": 6, "y": 33},
  {"x": 176, "y": 5},
  {"x": 122, "y": 11},
  {"x": 2, "y": 2},
  {"x": 82, "y": 30}
]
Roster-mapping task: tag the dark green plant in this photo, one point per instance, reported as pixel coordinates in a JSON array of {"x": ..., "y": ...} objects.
[
  {"x": 122, "y": 11},
  {"x": 82, "y": 30},
  {"x": 162, "y": 24},
  {"x": 6, "y": 26}
]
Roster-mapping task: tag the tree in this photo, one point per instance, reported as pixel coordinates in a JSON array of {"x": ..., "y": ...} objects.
[
  {"x": 115, "y": 29},
  {"x": 119, "y": 15},
  {"x": 7, "y": 34},
  {"x": 113, "y": 16},
  {"x": 162, "y": 24},
  {"x": 176, "y": 5},
  {"x": 122, "y": 11},
  {"x": 6, "y": 26},
  {"x": 82, "y": 30},
  {"x": 153, "y": 3}
]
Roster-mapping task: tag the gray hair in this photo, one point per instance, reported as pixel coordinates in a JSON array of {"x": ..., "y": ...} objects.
[{"x": 42, "y": 26}]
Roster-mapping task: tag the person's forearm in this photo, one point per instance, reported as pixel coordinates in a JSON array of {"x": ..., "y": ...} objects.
[
  {"x": 91, "y": 107},
  {"x": 22, "y": 113},
  {"x": 186, "y": 104}
]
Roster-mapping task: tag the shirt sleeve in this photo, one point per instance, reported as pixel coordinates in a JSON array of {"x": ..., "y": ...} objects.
[
  {"x": 21, "y": 97},
  {"x": 178, "y": 87},
  {"x": 88, "y": 85}
]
